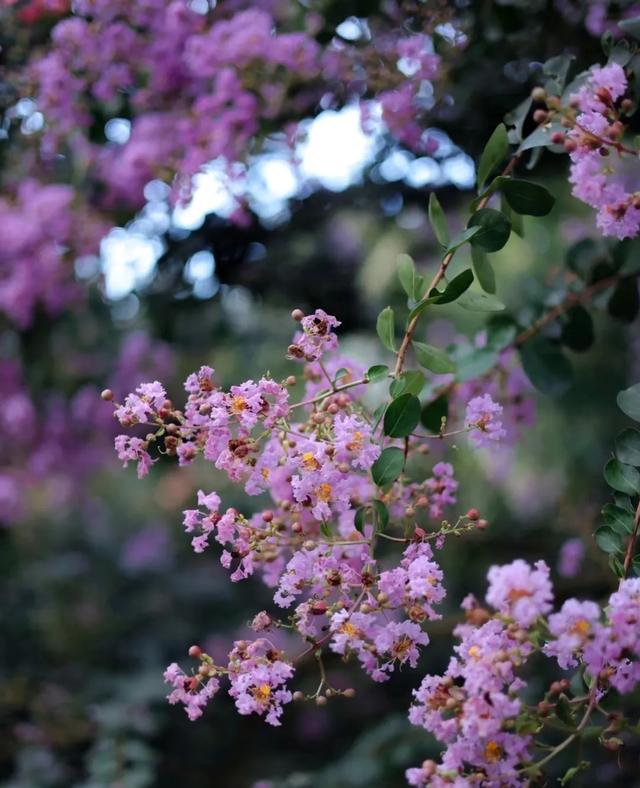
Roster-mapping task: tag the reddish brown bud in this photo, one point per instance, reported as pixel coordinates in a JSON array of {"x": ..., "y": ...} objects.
[
  {"x": 349, "y": 693},
  {"x": 267, "y": 516},
  {"x": 195, "y": 651},
  {"x": 540, "y": 116},
  {"x": 318, "y": 608},
  {"x": 297, "y": 315},
  {"x": 321, "y": 700},
  {"x": 473, "y": 514},
  {"x": 107, "y": 395},
  {"x": 557, "y": 138}
]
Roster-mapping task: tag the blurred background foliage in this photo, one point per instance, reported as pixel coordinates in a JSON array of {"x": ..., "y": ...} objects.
[{"x": 98, "y": 596}]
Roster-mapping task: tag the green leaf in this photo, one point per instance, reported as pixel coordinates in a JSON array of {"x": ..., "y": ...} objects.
[
  {"x": 385, "y": 328},
  {"x": 493, "y": 155},
  {"x": 462, "y": 238},
  {"x": 433, "y": 413},
  {"x": 359, "y": 518},
  {"x": 631, "y": 26},
  {"x": 378, "y": 413},
  {"x": 621, "y": 477},
  {"x": 411, "y": 281},
  {"x": 388, "y": 466},
  {"x": 573, "y": 772},
  {"x": 624, "y": 303},
  {"x": 629, "y": 402},
  {"x": 410, "y": 382},
  {"x": 516, "y": 119},
  {"x": 454, "y": 288},
  {"x": 501, "y": 332},
  {"x": 380, "y": 516},
  {"x": 433, "y": 359},
  {"x": 325, "y": 529},
  {"x": 377, "y": 372},
  {"x": 526, "y": 197},
  {"x": 617, "y": 518},
  {"x": 402, "y": 416},
  {"x": 483, "y": 270},
  {"x": 476, "y": 363},
  {"x": 480, "y": 302},
  {"x": 541, "y": 137},
  {"x": 607, "y": 540},
  {"x": 546, "y": 367},
  {"x": 628, "y": 447},
  {"x": 438, "y": 220},
  {"x": 494, "y": 232},
  {"x": 577, "y": 330}
]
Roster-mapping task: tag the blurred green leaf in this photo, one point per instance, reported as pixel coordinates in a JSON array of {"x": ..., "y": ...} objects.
[
  {"x": 525, "y": 197},
  {"x": 438, "y": 220},
  {"x": 621, "y": 477},
  {"x": 546, "y": 367},
  {"x": 433, "y": 359},
  {"x": 628, "y": 447},
  {"x": 629, "y": 401},
  {"x": 386, "y": 329},
  {"x": 493, "y": 155},
  {"x": 483, "y": 270}
]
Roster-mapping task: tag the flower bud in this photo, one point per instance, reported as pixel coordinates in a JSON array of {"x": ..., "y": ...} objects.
[
  {"x": 321, "y": 700},
  {"x": 349, "y": 693},
  {"x": 291, "y": 380},
  {"x": 540, "y": 116},
  {"x": 195, "y": 651},
  {"x": 557, "y": 138},
  {"x": 473, "y": 514},
  {"x": 298, "y": 696},
  {"x": 539, "y": 94},
  {"x": 107, "y": 395},
  {"x": 297, "y": 315}
]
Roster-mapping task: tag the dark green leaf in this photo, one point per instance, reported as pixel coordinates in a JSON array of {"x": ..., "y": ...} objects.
[
  {"x": 483, "y": 270},
  {"x": 618, "y": 519},
  {"x": 433, "y": 413},
  {"x": 402, "y": 416},
  {"x": 388, "y": 466},
  {"x": 629, "y": 402},
  {"x": 385, "y": 328},
  {"x": 516, "y": 119},
  {"x": 493, "y": 155},
  {"x": 607, "y": 540},
  {"x": 359, "y": 519},
  {"x": 433, "y": 359},
  {"x": 545, "y": 366},
  {"x": 480, "y": 302},
  {"x": 454, "y": 288},
  {"x": 624, "y": 303},
  {"x": 438, "y": 220},
  {"x": 577, "y": 330},
  {"x": 501, "y": 332},
  {"x": 628, "y": 447},
  {"x": 624, "y": 502},
  {"x": 377, "y": 372},
  {"x": 526, "y": 197},
  {"x": 582, "y": 256},
  {"x": 621, "y": 477},
  {"x": 410, "y": 382},
  {"x": 494, "y": 229}
]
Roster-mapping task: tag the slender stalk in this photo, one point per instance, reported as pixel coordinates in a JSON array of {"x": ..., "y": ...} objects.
[{"x": 631, "y": 547}]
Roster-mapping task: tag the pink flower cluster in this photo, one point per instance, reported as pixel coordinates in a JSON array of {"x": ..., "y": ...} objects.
[
  {"x": 188, "y": 81},
  {"x": 604, "y": 171},
  {"x": 475, "y": 708},
  {"x": 42, "y": 231},
  {"x": 315, "y": 547}
]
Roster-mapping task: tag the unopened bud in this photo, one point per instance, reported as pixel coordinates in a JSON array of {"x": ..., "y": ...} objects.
[
  {"x": 107, "y": 395},
  {"x": 557, "y": 138},
  {"x": 297, "y": 315},
  {"x": 540, "y": 116},
  {"x": 267, "y": 516},
  {"x": 291, "y": 380},
  {"x": 195, "y": 651},
  {"x": 539, "y": 94},
  {"x": 349, "y": 693},
  {"x": 473, "y": 514},
  {"x": 321, "y": 700},
  {"x": 298, "y": 696}
]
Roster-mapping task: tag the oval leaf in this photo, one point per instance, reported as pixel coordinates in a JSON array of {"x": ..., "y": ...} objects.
[
  {"x": 628, "y": 447},
  {"x": 385, "y": 328},
  {"x": 545, "y": 366},
  {"x": 438, "y": 220},
  {"x": 377, "y": 372},
  {"x": 617, "y": 518},
  {"x": 402, "y": 416},
  {"x": 388, "y": 466},
  {"x": 526, "y": 197},
  {"x": 607, "y": 540},
  {"x": 494, "y": 231},
  {"x": 493, "y": 154},
  {"x": 483, "y": 270},
  {"x": 629, "y": 402},
  {"x": 433, "y": 359},
  {"x": 621, "y": 477}
]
